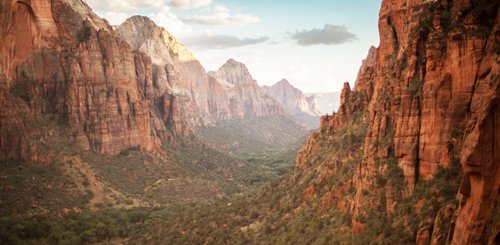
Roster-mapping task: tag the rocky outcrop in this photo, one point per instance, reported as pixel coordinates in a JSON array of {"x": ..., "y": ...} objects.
[
  {"x": 234, "y": 72},
  {"x": 293, "y": 100},
  {"x": 367, "y": 72},
  {"x": 429, "y": 76},
  {"x": 59, "y": 58},
  {"x": 243, "y": 95},
  {"x": 429, "y": 95},
  {"x": 174, "y": 67},
  {"x": 230, "y": 93}
]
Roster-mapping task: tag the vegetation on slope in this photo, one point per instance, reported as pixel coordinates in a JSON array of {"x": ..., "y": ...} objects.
[
  {"x": 268, "y": 143},
  {"x": 300, "y": 208},
  {"x": 65, "y": 178},
  {"x": 253, "y": 135}
]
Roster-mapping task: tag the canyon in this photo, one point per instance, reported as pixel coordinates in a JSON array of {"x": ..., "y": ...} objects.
[
  {"x": 115, "y": 87},
  {"x": 411, "y": 155},
  {"x": 75, "y": 89}
]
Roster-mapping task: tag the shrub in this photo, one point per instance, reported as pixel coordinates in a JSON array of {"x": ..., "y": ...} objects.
[
  {"x": 415, "y": 86},
  {"x": 85, "y": 33},
  {"x": 128, "y": 201}
]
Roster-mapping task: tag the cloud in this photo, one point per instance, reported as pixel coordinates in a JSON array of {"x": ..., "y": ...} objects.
[
  {"x": 222, "y": 16},
  {"x": 165, "y": 18},
  {"x": 123, "y": 5},
  {"x": 115, "y": 18},
  {"x": 190, "y": 4},
  {"x": 329, "y": 35},
  {"x": 117, "y": 11},
  {"x": 221, "y": 41}
]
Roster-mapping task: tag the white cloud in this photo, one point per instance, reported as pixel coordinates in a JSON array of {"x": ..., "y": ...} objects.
[
  {"x": 123, "y": 5},
  {"x": 222, "y": 16},
  {"x": 165, "y": 18},
  {"x": 115, "y": 18},
  {"x": 190, "y": 4},
  {"x": 221, "y": 41},
  {"x": 117, "y": 11},
  {"x": 329, "y": 35}
]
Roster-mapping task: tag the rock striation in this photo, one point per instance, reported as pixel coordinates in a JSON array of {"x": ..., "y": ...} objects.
[
  {"x": 428, "y": 95},
  {"x": 174, "y": 68},
  {"x": 59, "y": 58},
  {"x": 112, "y": 87},
  {"x": 229, "y": 93}
]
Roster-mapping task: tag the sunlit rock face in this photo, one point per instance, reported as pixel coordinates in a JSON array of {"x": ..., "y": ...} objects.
[
  {"x": 174, "y": 67},
  {"x": 229, "y": 93},
  {"x": 114, "y": 87},
  {"x": 304, "y": 109}
]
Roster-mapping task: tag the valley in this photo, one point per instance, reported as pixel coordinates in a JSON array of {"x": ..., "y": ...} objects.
[{"x": 116, "y": 134}]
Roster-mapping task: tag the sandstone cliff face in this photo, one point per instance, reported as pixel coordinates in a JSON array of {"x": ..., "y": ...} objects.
[
  {"x": 231, "y": 93},
  {"x": 60, "y": 59},
  {"x": 57, "y": 57},
  {"x": 293, "y": 100},
  {"x": 429, "y": 94},
  {"x": 244, "y": 95},
  {"x": 174, "y": 67}
]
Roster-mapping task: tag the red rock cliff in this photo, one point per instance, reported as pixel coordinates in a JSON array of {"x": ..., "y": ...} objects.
[
  {"x": 430, "y": 92},
  {"x": 206, "y": 99},
  {"x": 174, "y": 67},
  {"x": 57, "y": 57}
]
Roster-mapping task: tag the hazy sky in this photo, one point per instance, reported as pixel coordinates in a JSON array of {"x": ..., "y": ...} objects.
[{"x": 316, "y": 45}]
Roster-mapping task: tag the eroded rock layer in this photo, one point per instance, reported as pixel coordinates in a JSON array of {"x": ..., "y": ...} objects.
[
  {"x": 230, "y": 93},
  {"x": 59, "y": 58},
  {"x": 113, "y": 87},
  {"x": 428, "y": 96}
]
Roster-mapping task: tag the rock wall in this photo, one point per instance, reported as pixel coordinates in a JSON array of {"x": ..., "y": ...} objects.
[
  {"x": 231, "y": 93},
  {"x": 112, "y": 87},
  {"x": 57, "y": 57},
  {"x": 430, "y": 94},
  {"x": 174, "y": 67}
]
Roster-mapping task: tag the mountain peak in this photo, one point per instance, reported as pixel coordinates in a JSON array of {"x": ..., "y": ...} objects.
[
  {"x": 140, "y": 18},
  {"x": 234, "y": 72},
  {"x": 143, "y": 25},
  {"x": 233, "y": 61},
  {"x": 283, "y": 82},
  {"x": 293, "y": 99},
  {"x": 145, "y": 35}
]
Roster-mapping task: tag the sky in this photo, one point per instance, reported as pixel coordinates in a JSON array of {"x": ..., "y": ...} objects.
[{"x": 316, "y": 45}]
